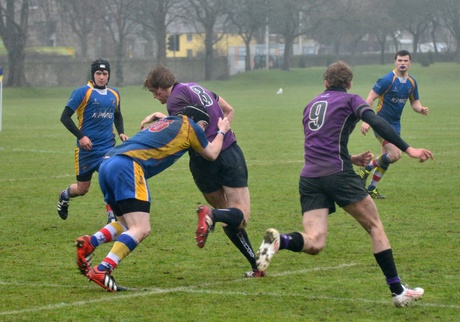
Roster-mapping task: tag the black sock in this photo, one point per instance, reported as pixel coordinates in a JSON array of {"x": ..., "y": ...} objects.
[
  {"x": 387, "y": 265},
  {"x": 240, "y": 239},
  {"x": 230, "y": 216},
  {"x": 293, "y": 241}
]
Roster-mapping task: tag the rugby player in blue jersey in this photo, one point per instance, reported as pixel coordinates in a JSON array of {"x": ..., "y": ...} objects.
[
  {"x": 98, "y": 109},
  {"x": 223, "y": 182},
  {"x": 123, "y": 177},
  {"x": 327, "y": 178},
  {"x": 392, "y": 90}
]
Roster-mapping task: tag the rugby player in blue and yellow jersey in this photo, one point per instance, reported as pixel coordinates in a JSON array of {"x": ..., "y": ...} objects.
[
  {"x": 123, "y": 180},
  {"x": 98, "y": 109},
  {"x": 392, "y": 91}
]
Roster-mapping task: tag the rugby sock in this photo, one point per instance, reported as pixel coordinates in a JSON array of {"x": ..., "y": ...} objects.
[
  {"x": 377, "y": 176},
  {"x": 387, "y": 265},
  {"x": 124, "y": 245},
  {"x": 110, "y": 213},
  {"x": 230, "y": 216},
  {"x": 66, "y": 193},
  {"x": 381, "y": 161},
  {"x": 108, "y": 233},
  {"x": 293, "y": 241},
  {"x": 240, "y": 239}
]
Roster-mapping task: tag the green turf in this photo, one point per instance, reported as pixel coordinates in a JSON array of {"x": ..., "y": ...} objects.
[{"x": 170, "y": 279}]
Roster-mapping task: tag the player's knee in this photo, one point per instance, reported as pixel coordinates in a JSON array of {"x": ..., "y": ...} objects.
[
  {"x": 243, "y": 224},
  {"x": 144, "y": 233},
  {"x": 395, "y": 157}
]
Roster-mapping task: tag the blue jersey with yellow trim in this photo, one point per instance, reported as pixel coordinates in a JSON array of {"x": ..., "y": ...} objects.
[
  {"x": 161, "y": 144},
  {"x": 95, "y": 110},
  {"x": 394, "y": 91}
]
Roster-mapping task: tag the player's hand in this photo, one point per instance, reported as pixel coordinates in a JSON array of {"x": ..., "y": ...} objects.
[
  {"x": 362, "y": 159},
  {"x": 123, "y": 137},
  {"x": 152, "y": 118},
  {"x": 425, "y": 110},
  {"x": 421, "y": 154},
  {"x": 365, "y": 128},
  {"x": 223, "y": 124},
  {"x": 85, "y": 143}
]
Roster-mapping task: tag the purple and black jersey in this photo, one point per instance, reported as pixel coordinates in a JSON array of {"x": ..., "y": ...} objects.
[
  {"x": 328, "y": 122},
  {"x": 184, "y": 94}
]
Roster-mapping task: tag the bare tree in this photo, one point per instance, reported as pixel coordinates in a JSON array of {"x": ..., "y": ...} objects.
[
  {"x": 81, "y": 16},
  {"x": 344, "y": 23},
  {"x": 205, "y": 14},
  {"x": 382, "y": 25},
  {"x": 450, "y": 13},
  {"x": 291, "y": 19},
  {"x": 156, "y": 17},
  {"x": 120, "y": 19},
  {"x": 246, "y": 17},
  {"x": 412, "y": 16},
  {"x": 13, "y": 30}
]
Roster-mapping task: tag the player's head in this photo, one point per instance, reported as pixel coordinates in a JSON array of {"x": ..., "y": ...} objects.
[
  {"x": 100, "y": 64},
  {"x": 338, "y": 74},
  {"x": 159, "y": 77},
  {"x": 402, "y": 62},
  {"x": 196, "y": 113},
  {"x": 403, "y": 53}
]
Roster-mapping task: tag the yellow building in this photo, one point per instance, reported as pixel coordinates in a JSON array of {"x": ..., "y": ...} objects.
[{"x": 192, "y": 44}]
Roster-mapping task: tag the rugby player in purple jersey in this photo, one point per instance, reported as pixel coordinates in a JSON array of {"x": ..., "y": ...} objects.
[
  {"x": 327, "y": 178},
  {"x": 223, "y": 182}
]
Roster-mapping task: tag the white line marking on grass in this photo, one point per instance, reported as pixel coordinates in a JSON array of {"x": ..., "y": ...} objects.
[
  {"x": 36, "y": 151},
  {"x": 194, "y": 289},
  {"x": 38, "y": 178}
]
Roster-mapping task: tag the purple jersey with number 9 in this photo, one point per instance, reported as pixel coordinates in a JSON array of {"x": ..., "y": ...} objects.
[{"x": 328, "y": 121}]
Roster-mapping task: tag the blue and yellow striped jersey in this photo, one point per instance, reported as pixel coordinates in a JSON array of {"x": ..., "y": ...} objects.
[
  {"x": 393, "y": 94},
  {"x": 162, "y": 143},
  {"x": 95, "y": 110}
]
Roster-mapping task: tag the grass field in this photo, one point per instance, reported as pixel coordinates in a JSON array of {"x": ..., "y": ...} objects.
[{"x": 170, "y": 279}]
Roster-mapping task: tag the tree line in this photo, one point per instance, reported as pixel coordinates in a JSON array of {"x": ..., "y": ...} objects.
[{"x": 336, "y": 23}]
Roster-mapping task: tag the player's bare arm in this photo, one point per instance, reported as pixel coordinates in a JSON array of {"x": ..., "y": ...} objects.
[
  {"x": 212, "y": 150},
  {"x": 227, "y": 109},
  {"x": 421, "y": 154},
  {"x": 419, "y": 108}
]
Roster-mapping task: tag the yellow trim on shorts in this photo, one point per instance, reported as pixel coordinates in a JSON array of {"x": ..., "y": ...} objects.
[{"x": 140, "y": 184}]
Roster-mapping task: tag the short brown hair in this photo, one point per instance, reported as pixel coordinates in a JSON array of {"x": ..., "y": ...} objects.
[
  {"x": 338, "y": 74},
  {"x": 159, "y": 77},
  {"x": 403, "y": 53}
]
